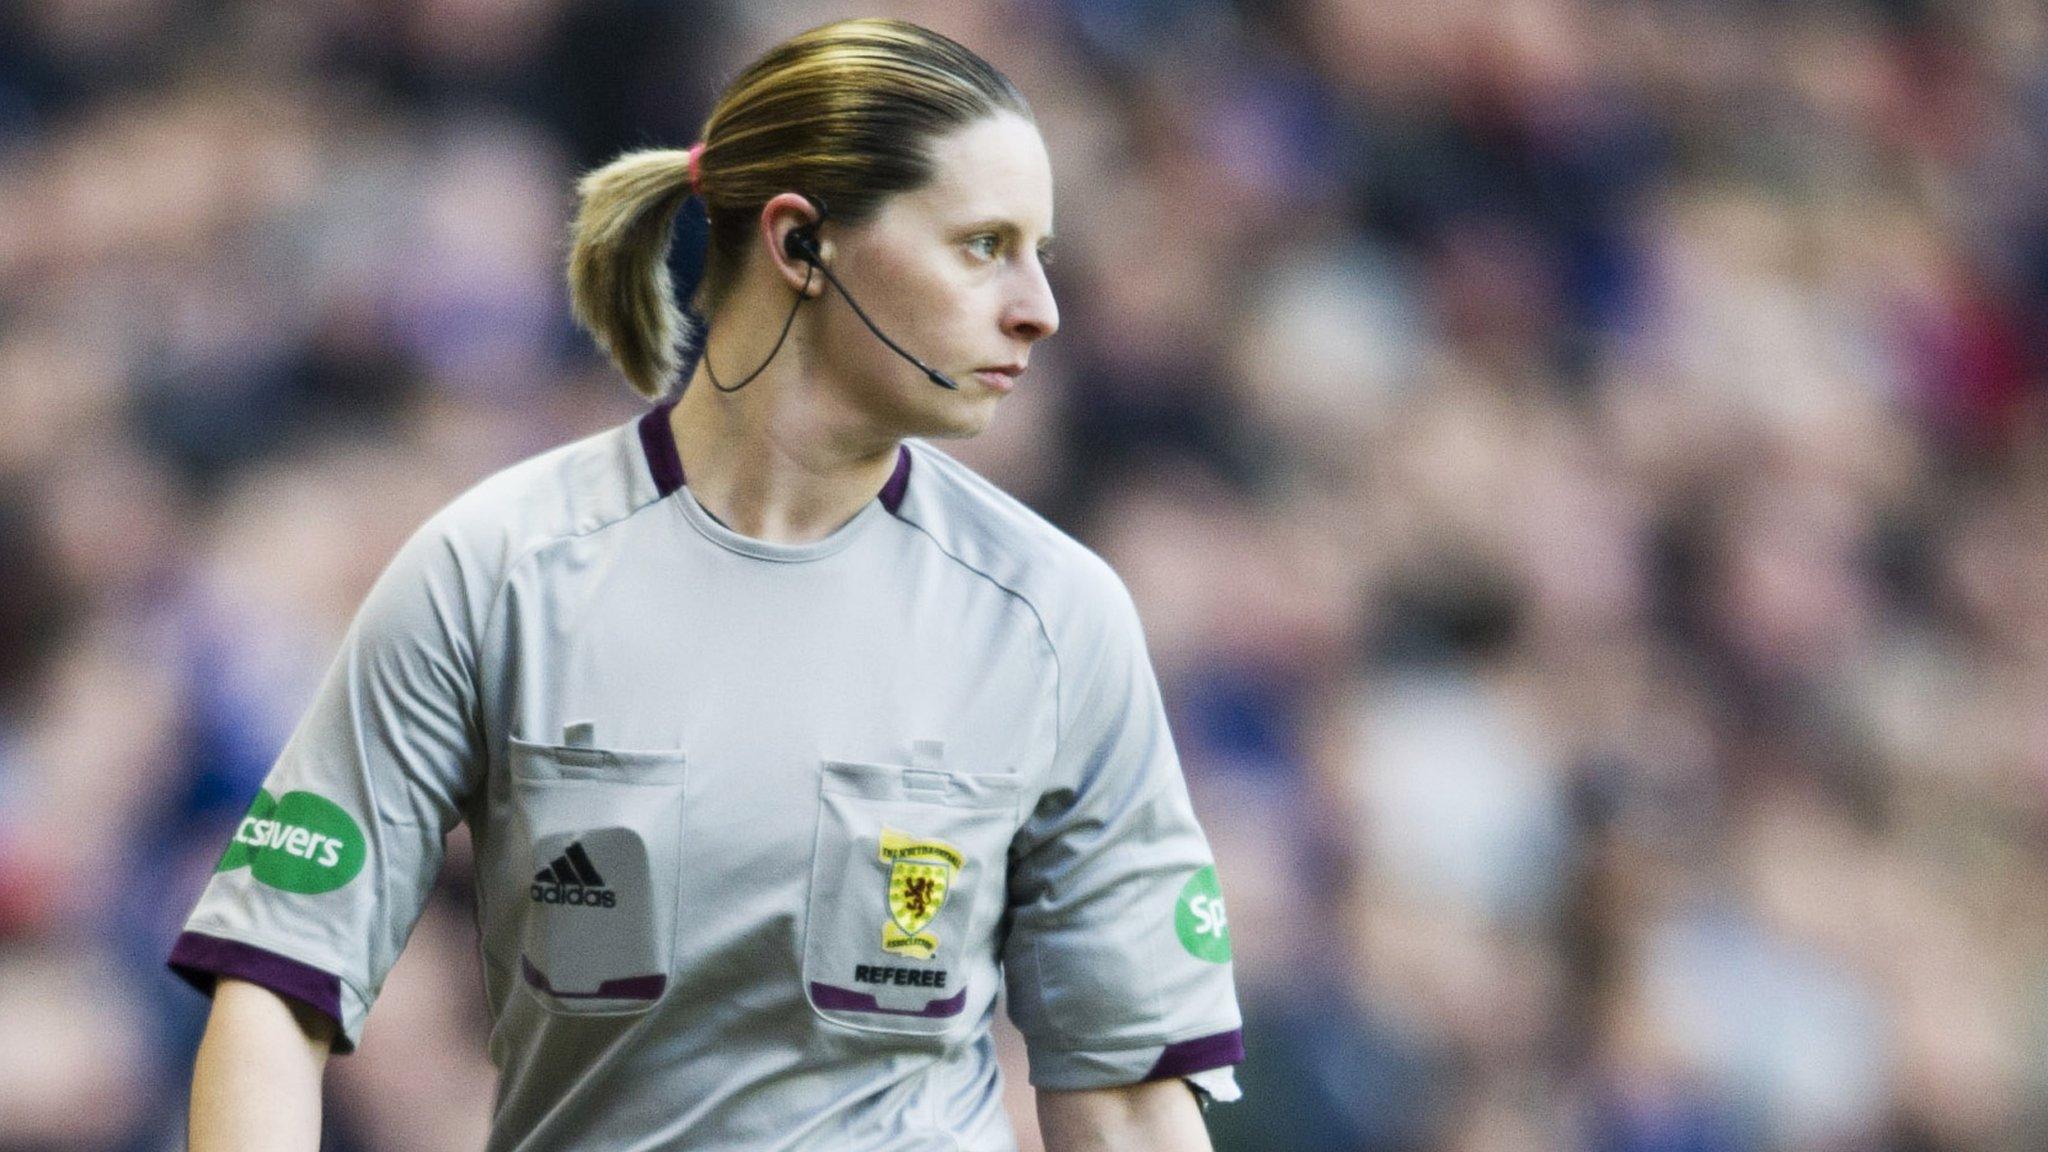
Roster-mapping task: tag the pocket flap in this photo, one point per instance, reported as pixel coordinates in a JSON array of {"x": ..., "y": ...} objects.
[
  {"x": 533, "y": 761},
  {"x": 918, "y": 785}
]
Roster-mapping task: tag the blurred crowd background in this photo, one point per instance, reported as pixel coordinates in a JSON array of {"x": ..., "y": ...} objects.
[{"x": 1581, "y": 463}]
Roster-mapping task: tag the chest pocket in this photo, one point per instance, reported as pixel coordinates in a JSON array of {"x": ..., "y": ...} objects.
[
  {"x": 598, "y": 932},
  {"x": 907, "y": 880}
]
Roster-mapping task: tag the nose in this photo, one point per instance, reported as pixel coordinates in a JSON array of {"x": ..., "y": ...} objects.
[{"x": 1032, "y": 313}]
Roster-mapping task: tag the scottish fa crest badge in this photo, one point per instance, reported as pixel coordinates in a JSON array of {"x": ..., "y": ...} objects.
[{"x": 921, "y": 872}]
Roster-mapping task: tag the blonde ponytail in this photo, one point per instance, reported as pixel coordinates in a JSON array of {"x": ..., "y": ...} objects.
[{"x": 619, "y": 288}]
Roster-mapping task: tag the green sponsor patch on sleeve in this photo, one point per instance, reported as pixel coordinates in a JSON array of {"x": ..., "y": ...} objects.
[
  {"x": 299, "y": 842},
  {"x": 237, "y": 855},
  {"x": 1199, "y": 920}
]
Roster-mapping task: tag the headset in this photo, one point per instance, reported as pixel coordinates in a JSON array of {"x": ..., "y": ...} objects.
[{"x": 802, "y": 244}]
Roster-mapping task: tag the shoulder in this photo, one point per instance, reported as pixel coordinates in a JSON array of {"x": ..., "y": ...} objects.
[
  {"x": 570, "y": 490},
  {"x": 990, "y": 531}
]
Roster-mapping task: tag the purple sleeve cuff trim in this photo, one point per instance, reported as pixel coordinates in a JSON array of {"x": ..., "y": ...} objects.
[
  {"x": 1199, "y": 1055},
  {"x": 201, "y": 960}
]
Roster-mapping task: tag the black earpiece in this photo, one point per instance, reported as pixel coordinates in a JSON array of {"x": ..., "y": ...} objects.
[{"x": 802, "y": 241}]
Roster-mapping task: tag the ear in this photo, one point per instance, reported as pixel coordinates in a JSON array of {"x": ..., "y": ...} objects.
[{"x": 780, "y": 217}]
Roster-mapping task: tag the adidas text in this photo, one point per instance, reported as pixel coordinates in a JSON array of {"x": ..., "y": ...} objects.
[
  {"x": 573, "y": 880},
  {"x": 576, "y": 895}
]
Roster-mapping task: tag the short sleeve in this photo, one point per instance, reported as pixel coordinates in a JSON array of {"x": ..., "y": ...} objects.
[
  {"x": 324, "y": 878},
  {"x": 1117, "y": 960}
]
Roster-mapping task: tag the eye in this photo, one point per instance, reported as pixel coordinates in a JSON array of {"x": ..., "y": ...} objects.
[
  {"x": 994, "y": 242},
  {"x": 1045, "y": 257}
]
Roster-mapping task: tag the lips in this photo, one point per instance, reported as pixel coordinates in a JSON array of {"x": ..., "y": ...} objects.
[{"x": 1000, "y": 377}]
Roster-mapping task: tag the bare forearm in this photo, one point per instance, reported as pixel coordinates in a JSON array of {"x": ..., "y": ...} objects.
[
  {"x": 1160, "y": 1116},
  {"x": 257, "y": 1080}
]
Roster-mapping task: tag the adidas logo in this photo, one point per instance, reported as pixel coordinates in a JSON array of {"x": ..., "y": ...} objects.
[{"x": 572, "y": 879}]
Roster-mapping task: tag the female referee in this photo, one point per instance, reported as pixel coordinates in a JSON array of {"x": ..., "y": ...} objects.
[{"x": 783, "y": 738}]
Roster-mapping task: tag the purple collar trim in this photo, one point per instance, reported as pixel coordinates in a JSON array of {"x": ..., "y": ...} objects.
[
  {"x": 899, "y": 480},
  {"x": 658, "y": 440},
  {"x": 665, "y": 464}
]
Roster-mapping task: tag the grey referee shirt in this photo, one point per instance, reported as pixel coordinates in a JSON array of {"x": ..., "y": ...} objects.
[{"x": 759, "y": 828}]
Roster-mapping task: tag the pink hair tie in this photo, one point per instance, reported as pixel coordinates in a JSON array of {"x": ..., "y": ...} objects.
[{"x": 696, "y": 174}]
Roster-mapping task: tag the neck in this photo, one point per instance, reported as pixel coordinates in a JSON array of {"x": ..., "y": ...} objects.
[{"x": 778, "y": 460}]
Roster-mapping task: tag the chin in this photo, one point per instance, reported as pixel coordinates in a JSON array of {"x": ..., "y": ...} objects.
[
  {"x": 941, "y": 415},
  {"x": 964, "y": 417}
]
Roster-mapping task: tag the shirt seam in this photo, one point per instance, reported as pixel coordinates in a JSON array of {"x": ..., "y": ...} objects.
[
  {"x": 528, "y": 553},
  {"x": 1038, "y": 617}
]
